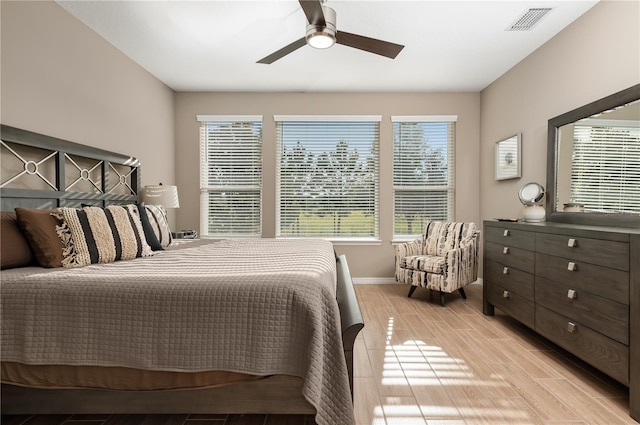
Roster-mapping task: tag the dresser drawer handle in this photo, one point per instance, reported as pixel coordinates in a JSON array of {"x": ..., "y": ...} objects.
[
  {"x": 572, "y": 267},
  {"x": 572, "y": 243},
  {"x": 571, "y": 294},
  {"x": 505, "y": 270},
  {"x": 506, "y": 294},
  {"x": 571, "y": 327},
  {"x": 506, "y": 233},
  {"x": 505, "y": 250}
]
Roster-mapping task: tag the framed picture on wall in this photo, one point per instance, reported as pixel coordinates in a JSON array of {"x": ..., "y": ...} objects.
[{"x": 508, "y": 160}]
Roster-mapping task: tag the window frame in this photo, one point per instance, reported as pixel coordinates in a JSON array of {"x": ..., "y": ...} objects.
[
  {"x": 449, "y": 186},
  {"x": 330, "y": 119},
  {"x": 257, "y": 184}
]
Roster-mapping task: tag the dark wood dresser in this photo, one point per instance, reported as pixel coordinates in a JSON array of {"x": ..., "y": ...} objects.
[{"x": 578, "y": 286}]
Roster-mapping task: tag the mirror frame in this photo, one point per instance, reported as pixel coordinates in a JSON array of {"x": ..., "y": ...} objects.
[{"x": 586, "y": 218}]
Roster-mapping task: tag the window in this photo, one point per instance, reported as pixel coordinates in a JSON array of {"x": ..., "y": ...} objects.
[
  {"x": 327, "y": 181},
  {"x": 423, "y": 172},
  {"x": 606, "y": 165},
  {"x": 230, "y": 176}
]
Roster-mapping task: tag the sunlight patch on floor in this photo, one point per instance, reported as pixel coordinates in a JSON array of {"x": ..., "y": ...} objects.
[{"x": 418, "y": 365}]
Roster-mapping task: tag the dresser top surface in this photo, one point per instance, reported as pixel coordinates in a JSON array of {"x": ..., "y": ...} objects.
[{"x": 553, "y": 227}]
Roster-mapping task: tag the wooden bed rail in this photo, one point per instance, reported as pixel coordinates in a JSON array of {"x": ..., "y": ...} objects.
[{"x": 350, "y": 314}]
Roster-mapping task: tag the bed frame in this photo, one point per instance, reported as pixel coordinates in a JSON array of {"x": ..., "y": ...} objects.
[{"x": 47, "y": 173}]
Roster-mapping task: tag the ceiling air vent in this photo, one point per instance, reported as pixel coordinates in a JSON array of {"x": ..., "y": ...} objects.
[{"x": 528, "y": 19}]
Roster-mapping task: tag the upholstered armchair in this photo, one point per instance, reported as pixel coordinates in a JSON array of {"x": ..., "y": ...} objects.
[{"x": 444, "y": 258}]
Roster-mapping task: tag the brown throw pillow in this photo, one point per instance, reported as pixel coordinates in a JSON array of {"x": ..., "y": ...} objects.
[
  {"x": 14, "y": 248},
  {"x": 39, "y": 228}
]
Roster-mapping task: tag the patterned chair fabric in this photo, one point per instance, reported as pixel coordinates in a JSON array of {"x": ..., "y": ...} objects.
[{"x": 444, "y": 258}]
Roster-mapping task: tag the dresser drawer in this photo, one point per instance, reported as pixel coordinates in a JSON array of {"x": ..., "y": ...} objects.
[
  {"x": 609, "y": 356},
  {"x": 511, "y": 303},
  {"x": 510, "y": 237},
  {"x": 608, "y": 317},
  {"x": 513, "y": 257},
  {"x": 602, "y": 281},
  {"x": 509, "y": 278},
  {"x": 611, "y": 254}
]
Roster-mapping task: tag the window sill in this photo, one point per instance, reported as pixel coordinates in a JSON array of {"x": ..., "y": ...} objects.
[
  {"x": 355, "y": 241},
  {"x": 403, "y": 239},
  {"x": 341, "y": 241}
]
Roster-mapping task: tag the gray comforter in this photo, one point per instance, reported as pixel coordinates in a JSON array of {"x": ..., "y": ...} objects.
[{"x": 260, "y": 307}]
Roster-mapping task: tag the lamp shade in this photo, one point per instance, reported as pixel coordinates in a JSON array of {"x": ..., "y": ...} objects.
[{"x": 165, "y": 195}]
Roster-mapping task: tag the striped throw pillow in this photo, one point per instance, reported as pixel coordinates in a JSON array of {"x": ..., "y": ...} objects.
[
  {"x": 149, "y": 233},
  {"x": 158, "y": 219},
  {"x": 94, "y": 235}
]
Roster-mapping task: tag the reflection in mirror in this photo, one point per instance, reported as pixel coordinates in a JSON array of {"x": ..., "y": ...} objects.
[
  {"x": 599, "y": 162},
  {"x": 593, "y": 162}
]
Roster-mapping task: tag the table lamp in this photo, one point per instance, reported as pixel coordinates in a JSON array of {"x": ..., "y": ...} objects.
[{"x": 165, "y": 195}]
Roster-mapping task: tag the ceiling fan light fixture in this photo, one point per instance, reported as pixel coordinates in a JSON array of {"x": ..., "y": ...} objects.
[
  {"x": 321, "y": 40},
  {"x": 323, "y": 37}
]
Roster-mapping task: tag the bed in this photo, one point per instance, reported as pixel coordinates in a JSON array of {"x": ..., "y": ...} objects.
[{"x": 261, "y": 326}]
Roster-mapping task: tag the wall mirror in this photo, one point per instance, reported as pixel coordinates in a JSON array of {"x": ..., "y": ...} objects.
[{"x": 593, "y": 162}]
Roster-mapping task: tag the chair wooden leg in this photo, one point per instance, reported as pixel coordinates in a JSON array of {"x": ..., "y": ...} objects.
[
  {"x": 461, "y": 290},
  {"x": 411, "y": 291},
  {"x": 442, "y": 298}
]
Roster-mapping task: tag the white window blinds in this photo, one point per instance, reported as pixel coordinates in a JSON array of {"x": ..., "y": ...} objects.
[
  {"x": 423, "y": 172},
  {"x": 327, "y": 179},
  {"x": 230, "y": 176},
  {"x": 606, "y": 165}
]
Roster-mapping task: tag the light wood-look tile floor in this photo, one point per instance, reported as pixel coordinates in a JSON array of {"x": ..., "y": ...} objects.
[{"x": 417, "y": 363}]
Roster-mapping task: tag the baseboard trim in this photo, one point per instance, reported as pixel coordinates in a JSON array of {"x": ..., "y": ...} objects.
[
  {"x": 388, "y": 280},
  {"x": 373, "y": 280}
]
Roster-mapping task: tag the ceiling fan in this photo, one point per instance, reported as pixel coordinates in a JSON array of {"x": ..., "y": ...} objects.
[{"x": 322, "y": 34}]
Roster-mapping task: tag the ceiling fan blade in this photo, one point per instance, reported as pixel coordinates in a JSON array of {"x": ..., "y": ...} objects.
[
  {"x": 283, "y": 52},
  {"x": 372, "y": 45},
  {"x": 313, "y": 10}
]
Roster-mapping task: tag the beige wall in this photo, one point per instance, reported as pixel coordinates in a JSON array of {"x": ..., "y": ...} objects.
[
  {"x": 372, "y": 261},
  {"x": 597, "y": 55},
  {"x": 61, "y": 79}
]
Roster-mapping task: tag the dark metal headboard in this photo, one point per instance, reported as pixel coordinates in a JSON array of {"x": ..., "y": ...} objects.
[{"x": 39, "y": 171}]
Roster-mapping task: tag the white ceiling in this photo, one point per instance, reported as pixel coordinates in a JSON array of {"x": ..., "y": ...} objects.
[{"x": 214, "y": 45}]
